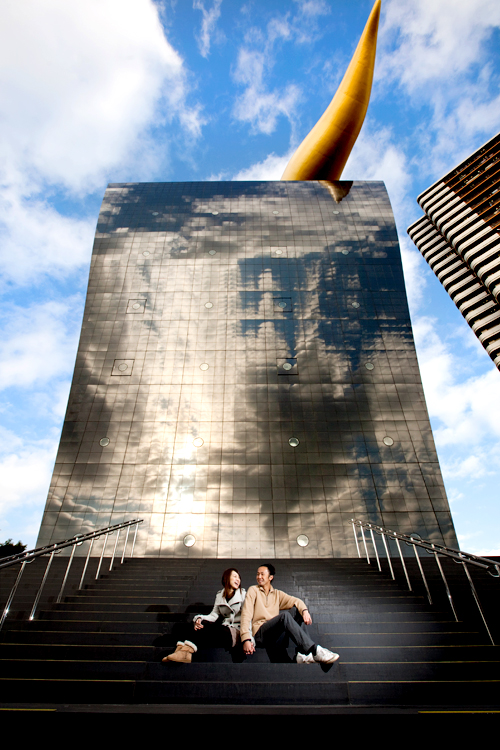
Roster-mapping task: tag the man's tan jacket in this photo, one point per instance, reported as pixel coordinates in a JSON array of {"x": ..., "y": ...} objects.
[{"x": 258, "y": 608}]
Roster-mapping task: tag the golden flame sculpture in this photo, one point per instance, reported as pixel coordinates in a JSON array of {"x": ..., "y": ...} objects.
[{"x": 323, "y": 153}]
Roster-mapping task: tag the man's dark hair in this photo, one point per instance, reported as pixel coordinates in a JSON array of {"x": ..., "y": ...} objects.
[{"x": 271, "y": 568}]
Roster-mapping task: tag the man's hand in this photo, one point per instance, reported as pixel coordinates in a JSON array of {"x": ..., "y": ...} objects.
[
  {"x": 307, "y": 617},
  {"x": 248, "y": 647}
]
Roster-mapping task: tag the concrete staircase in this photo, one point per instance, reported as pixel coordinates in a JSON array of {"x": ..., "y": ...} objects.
[{"x": 100, "y": 649}]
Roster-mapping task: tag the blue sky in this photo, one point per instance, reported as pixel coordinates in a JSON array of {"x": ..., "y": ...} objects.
[{"x": 128, "y": 90}]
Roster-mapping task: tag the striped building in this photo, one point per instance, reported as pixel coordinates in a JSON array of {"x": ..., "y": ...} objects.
[{"x": 459, "y": 237}]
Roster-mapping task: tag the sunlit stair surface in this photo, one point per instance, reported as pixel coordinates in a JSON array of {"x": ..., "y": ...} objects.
[{"x": 103, "y": 646}]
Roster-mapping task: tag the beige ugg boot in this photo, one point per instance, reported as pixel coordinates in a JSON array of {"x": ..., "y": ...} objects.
[
  {"x": 183, "y": 654},
  {"x": 180, "y": 644}
]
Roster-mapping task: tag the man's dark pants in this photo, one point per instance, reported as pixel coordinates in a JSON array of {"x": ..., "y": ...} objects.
[{"x": 273, "y": 636}]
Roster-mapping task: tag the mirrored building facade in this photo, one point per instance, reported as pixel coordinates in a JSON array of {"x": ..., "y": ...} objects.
[{"x": 246, "y": 375}]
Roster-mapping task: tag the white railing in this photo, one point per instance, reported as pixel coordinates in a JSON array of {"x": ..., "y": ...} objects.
[
  {"x": 25, "y": 558},
  {"x": 414, "y": 540}
]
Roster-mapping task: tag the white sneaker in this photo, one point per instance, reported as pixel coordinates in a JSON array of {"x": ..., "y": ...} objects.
[
  {"x": 324, "y": 656},
  {"x": 305, "y": 658}
]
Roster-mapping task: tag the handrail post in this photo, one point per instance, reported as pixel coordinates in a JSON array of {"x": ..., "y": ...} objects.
[
  {"x": 422, "y": 573},
  {"x": 366, "y": 548},
  {"x": 388, "y": 557},
  {"x": 44, "y": 579},
  {"x": 12, "y": 594},
  {"x": 448, "y": 593},
  {"x": 59, "y": 597},
  {"x": 114, "y": 550},
  {"x": 102, "y": 555},
  {"x": 474, "y": 592},
  {"x": 403, "y": 563},
  {"x": 356, "y": 537},
  {"x": 125, "y": 545},
  {"x": 375, "y": 548},
  {"x": 86, "y": 563},
  {"x": 135, "y": 537}
]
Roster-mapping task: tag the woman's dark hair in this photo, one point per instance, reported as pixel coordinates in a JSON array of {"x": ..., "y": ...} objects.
[{"x": 225, "y": 581}]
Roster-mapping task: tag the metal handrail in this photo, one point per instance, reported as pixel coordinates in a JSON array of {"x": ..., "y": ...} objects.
[
  {"x": 414, "y": 540},
  {"x": 25, "y": 558}
]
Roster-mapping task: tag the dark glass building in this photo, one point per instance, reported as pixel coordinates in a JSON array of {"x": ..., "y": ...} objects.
[{"x": 246, "y": 376}]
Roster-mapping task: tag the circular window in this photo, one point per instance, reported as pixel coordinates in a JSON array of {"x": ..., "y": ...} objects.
[
  {"x": 123, "y": 367},
  {"x": 287, "y": 366},
  {"x": 136, "y": 306},
  {"x": 388, "y": 440},
  {"x": 369, "y": 366},
  {"x": 189, "y": 540},
  {"x": 146, "y": 252},
  {"x": 355, "y": 304},
  {"x": 302, "y": 540},
  {"x": 293, "y": 441},
  {"x": 282, "y": 305},
  {"x": 155, "y": 213},
  {"x": 336, "y": 213},
  {"x": 198, "y": 442},
  {"x": 279, "y": 252},
  {"x": 215, "y": 213},
  {"x": 209, "y": 304},
  {"x": 204, "y": 366},
  {"x": 345, "y": 252},
  {"x": 212, "y": 252},
  {"x": 104, "y": 441},
  {"x": 276, "y": 213}
]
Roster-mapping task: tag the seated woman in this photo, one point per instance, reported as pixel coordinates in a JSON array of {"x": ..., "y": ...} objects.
[{"x": 208, "y": 629}]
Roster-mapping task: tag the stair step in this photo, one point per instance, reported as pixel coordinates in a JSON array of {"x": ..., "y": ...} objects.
[{"x": 104, "y": 643}]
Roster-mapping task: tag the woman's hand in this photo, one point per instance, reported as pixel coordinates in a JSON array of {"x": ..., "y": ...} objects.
[{"x": 198, "y": 625}]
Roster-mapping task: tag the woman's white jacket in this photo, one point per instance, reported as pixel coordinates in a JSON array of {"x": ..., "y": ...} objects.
[{"x": 230, "y": 612}]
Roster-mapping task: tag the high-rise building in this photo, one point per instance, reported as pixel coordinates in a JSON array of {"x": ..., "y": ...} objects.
[
  {"x": 246, "y": 379},
  {"x": 459, "y": 237}
]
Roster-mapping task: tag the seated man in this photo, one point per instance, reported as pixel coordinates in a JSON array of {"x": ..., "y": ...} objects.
[{"x": 263, "y": 625}]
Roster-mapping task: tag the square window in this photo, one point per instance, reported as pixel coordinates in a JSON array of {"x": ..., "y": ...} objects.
[{"x": 123, "y": 367}]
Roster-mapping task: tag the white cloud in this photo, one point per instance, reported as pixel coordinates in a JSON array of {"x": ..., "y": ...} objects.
[
  {"x": 37, "y": 240},
  {"x": 438, "y": 40},
  {"x": 39, "y": 342},
  {"x": 208, "y": 24},
  {"x": 271, "y": 168},
  {"x": 80, "y": 82},
  {"x": 305, "y": 26},
  {"x": 438, "y": 53},
  {"x": 467, "y": 407},
  {"x": 257, "y": 105},
  {"x": 260, "y": 105},
  {"x": 37, "y": 351},
  {"x": 376, "y": 156},
  {"x": 25, "y": 470},
  {"x": 413, "y": 268}
]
